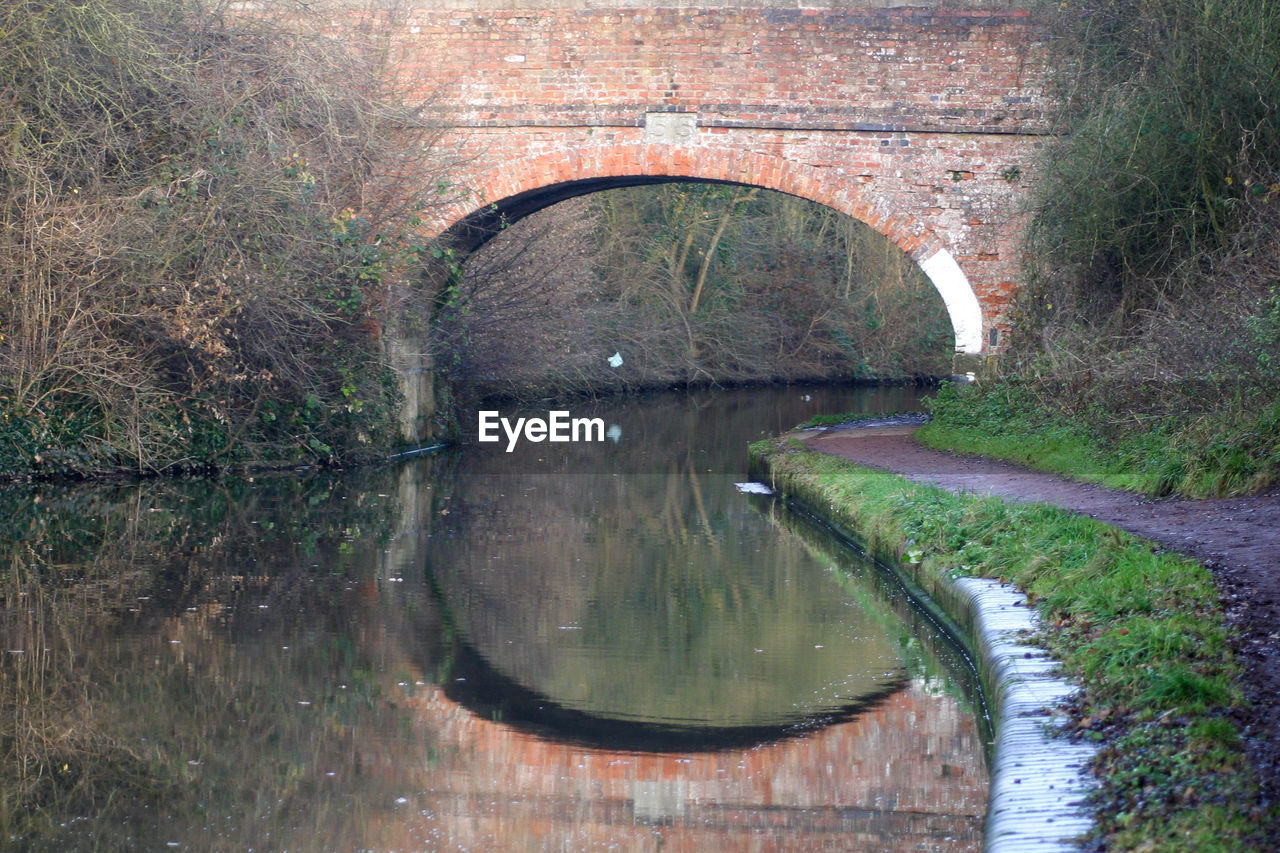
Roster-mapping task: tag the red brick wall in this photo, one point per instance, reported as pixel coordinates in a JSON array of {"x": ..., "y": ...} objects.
[{"x": 922, "y": 122}]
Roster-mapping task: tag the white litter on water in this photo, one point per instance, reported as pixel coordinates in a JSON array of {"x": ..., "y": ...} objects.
[{"x": 753, "y": 488}]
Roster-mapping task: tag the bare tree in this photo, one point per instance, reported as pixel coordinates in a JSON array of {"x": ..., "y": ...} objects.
[{"x": 692, "y": 283}]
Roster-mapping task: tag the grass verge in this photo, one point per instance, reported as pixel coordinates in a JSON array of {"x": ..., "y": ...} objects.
[
  {"x": 1235, "y": 451},
  {"x": 1142, "y": 631}
]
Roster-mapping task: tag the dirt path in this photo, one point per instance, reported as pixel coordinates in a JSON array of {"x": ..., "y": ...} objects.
[{"x": 1237, "y": 538}]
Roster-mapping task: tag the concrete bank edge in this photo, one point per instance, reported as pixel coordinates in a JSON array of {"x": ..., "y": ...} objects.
[{"x": 1039, "y": 782}]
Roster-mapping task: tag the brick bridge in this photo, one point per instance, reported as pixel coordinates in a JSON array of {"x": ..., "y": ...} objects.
[{"x": 920, "y": 120}]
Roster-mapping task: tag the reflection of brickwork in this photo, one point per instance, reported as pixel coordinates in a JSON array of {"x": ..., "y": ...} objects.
[{"x": 908, "y": 775}]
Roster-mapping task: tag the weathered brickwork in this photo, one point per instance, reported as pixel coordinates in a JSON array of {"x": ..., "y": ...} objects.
[
  {"x": 921, "y": 121},
  {"x": 899, "y": 184},
  {"x": 798, "y": 69}
]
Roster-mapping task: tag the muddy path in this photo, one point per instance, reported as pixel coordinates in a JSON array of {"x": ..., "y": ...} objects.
[{"x": 1237, "y": 538}]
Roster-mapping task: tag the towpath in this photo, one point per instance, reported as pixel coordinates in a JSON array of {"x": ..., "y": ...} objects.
[{"x": 1237, "y": 538}]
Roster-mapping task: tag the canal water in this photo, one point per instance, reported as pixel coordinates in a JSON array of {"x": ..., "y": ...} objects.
[{"x": 601, "y": 645}]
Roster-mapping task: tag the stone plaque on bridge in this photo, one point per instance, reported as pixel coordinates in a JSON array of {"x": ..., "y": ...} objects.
[{"x": 670, "y": 128}]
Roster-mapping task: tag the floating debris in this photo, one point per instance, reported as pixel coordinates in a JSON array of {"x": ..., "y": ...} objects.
[{"x": 753, "y": 488}]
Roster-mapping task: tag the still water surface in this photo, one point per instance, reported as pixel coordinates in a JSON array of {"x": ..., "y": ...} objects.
[{"x": 568, "y": 647}]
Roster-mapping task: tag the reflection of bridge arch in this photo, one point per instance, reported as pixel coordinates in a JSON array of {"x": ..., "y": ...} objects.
[
  {"x": 520, "y": 187},
  {"x": 906, "y": 772},
  {"x": 473, "y": 683}
]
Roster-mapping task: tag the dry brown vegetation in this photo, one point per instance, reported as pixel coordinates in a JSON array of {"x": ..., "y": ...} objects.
[
  {"x": 691, "y": 284},
  {"x": 1149, "y": 330},
  {"x": 196, "y": 237}
]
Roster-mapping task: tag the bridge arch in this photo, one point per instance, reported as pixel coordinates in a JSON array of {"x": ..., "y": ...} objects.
[{"x": 523, "y": 185}]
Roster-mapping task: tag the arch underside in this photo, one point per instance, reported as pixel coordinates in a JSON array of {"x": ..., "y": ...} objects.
[{"x": 522, "y": 187}]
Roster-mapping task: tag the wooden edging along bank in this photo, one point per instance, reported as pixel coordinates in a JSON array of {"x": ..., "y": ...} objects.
[{"x": 1039, "y": 781}]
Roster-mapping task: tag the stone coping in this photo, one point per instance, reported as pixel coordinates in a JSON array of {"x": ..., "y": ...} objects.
[{"x": 1039, "y": 782}]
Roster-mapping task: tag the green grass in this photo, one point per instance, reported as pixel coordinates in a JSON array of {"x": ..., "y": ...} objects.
[
  {"x": 1060, "y": 451},
  {"x": 1234, "y": 451},
  {"x": 1003, "y": 425},
  {"x": 1141, "y": 630},
  {"x": 833, "y": 420}
]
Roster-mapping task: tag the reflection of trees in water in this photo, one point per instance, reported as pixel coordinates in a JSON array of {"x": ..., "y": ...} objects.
[
  {"x": 155, "y": 700},
  {"x": 653, "y": 597},
  {"x": 928, "y": 654},
  {"x": 160, "y": 639}
]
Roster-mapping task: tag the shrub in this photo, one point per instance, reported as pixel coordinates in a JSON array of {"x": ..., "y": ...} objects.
[{"x": 195, "y": 239}]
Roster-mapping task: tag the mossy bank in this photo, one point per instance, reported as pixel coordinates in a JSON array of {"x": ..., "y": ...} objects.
[{"x": 1141, "y": 632}]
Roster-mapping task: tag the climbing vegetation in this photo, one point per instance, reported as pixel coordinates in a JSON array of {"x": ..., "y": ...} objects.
[{"x": 1170, "y": 145}]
